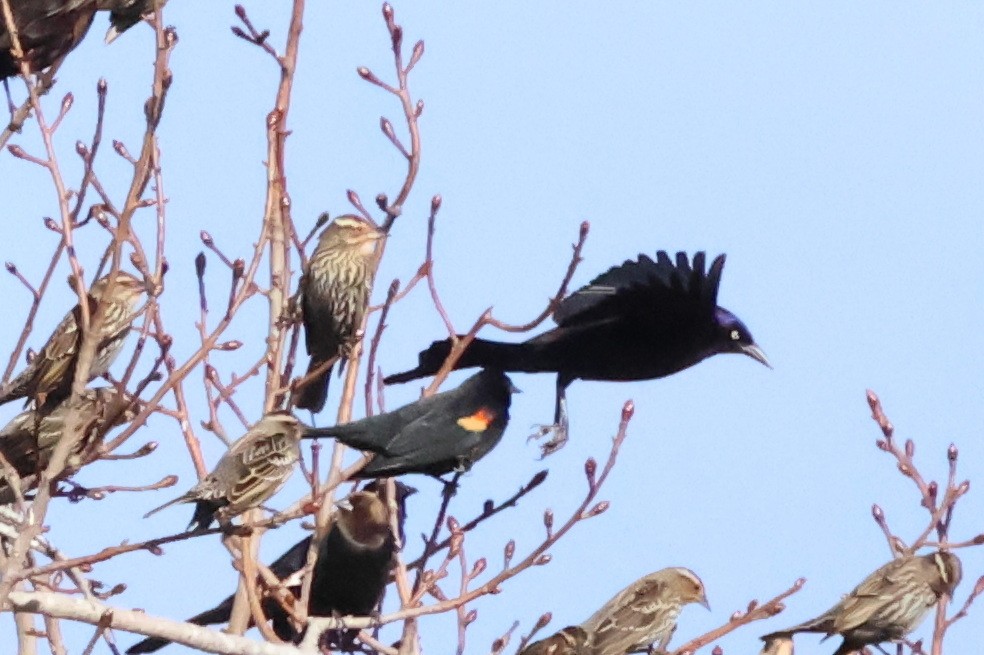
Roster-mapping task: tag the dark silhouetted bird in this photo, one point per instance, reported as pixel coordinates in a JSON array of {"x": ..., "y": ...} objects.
[
  {"x": 48, "y": 378},
  {"x": 644, "y": 613},
  {"x": 350, "y": 574},
  {"x": 50, "y": 29},
  {"x": 334, "y": 295},
  {"x": 572, "y": 640},
  {"x": 888, "y": 605},
  {"x": 28, "y": 440},
  {"x": 642, "y": 320},
  {"x": 46, "y": 29},
  {"x": 446, "y": 432},
  {"x": 254, "y": 468},
  {"x": 124, "y": 14}
]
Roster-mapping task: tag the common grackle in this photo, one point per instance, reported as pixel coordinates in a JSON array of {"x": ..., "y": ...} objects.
[{"x": 642, "y": 320}]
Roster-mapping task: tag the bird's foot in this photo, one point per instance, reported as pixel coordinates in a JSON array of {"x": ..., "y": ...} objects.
[
  {"x": 450, "y": 486},
  {"x": 75, "y": 493},
  {"x": 558, "y": 438}
]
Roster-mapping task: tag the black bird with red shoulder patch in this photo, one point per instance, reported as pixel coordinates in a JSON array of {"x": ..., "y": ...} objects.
[
  {"x": 642, "y": 320},
  {"x": 446, "y": 432}
]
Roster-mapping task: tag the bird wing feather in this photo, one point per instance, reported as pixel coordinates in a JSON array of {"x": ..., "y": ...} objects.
[{"x": 638, "y": 286}]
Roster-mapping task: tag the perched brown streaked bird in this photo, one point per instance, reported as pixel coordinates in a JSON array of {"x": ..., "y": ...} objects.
[
  {"x": 889, "y": 604},
  {"x": 572, "y": 640},
  {"x": 334, "y": 295},
  {"x": 254, "y": 468},
  {"x": 48, "y": 378},
  {"x": 350, "y": 574},
  {"x": 446, "y": 432},
  {"x": 644, "y": 613},
  {"x": 28, "y": 440}
]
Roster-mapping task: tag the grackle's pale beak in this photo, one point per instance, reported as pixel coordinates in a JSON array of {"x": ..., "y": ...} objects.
[{"x": 756, "y": 353}]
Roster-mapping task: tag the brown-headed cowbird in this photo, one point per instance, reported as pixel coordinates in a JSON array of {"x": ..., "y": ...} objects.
[
  {"x": 254, "y": 468},
  {"x": 572, "y": 640},
  {"x": 642, "y": 320},
  {"x": 888, "y": 605},
  {"x": 48, "y": 378},
  {"x": 334, "y": 295},
  {"x": 28, "y": 440},
  {"x": 446, "y": 432},
  {"x": 644, "y": 613},
  {"x": 350, "y": 574}
]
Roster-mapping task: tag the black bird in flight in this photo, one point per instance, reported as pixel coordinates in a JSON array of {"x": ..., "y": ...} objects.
[
  {"x": 350, "y": 574},
  {"x": 642, "y": 320},
  {"x": 446, "y": 432}
]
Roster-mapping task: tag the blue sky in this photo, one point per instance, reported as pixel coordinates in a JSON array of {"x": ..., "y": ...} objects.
[{"x": 834, "y": 152}]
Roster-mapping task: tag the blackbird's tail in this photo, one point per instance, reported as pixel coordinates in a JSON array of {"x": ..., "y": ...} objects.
[{"x": 480, "y": 352}]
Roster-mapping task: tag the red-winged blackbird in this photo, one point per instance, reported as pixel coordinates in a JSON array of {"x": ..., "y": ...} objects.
[
  {"x": 334, "y": 295},
  {"x": 889, "y": 604},
  {"x": 642, "y": 320},
  {"x": 350, "y": 574},
  {"x": 28, "y": 440},
  {"x": 48, "y": 378},
  {"x": 644, "y": 613},
  {"x": 572, "y": 640},
  {"x": 446, "y": 432},
  {"x": 251, "y": 471}
]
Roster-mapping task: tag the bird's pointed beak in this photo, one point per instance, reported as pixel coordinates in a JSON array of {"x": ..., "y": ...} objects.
[
  {"x": 514, "y": 389},
  {"x": 344, "y": 504},
  {"x": 756, "y": 353},
  {"x": 704, "y": 603}
]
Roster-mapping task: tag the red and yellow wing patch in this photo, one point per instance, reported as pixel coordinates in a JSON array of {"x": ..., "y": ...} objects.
[{"x": 479, "y": 421}]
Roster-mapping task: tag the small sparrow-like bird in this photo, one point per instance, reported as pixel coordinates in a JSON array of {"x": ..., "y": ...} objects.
[
  {"x": 334, "y": 293},
  {"x": 572, "y": 640},
  {"x": 888, "y": 605},
  {"x": 350, "y": 574},
  {"x": 254, "y": 468},
  {"x": 111, "y": 304},
  {"x": 28, "y": 440},
  {"x": 446, "y": 432},
  {"x": 644, "y": 613}
]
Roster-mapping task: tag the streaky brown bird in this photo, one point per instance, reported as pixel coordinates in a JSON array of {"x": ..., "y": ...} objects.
[
  {"x": 28, "y": 440},
  {"x": 446, "y": 432},
  {"x": 644, "y": 613},
  {"x": 254, "y": 468},
  {"x": 334, "y": 293},
  {"x": 888, "y": 604},
  {"x": 350, "y": 574},
  {"x": 48, "y": 378},
  {"x": 572, "y": 640}
]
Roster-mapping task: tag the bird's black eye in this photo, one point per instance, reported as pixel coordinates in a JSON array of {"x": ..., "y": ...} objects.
[{"x": 735, "y": 335}]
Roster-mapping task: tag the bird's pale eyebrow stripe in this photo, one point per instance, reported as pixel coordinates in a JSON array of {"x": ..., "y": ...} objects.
[{"x": 941, "y": 565}]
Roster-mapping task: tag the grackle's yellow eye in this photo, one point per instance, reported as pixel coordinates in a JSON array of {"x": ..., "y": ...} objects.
[{"x": 735, "y": 336}]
